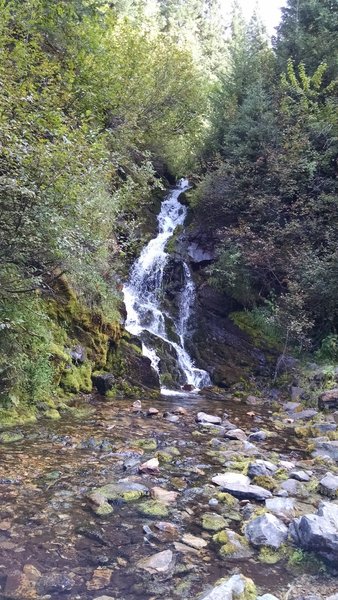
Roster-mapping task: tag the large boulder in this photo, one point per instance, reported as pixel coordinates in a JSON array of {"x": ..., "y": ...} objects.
[
  {"x": 240, "y": 486},
  {"x": 328, "y": 399},
  {"x": 325, "y": 448},
  {"x": 266, "y": 530},
  {"x": 318, "y": 532}
]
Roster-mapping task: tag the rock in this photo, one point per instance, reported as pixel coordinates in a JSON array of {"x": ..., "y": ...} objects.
[
  {"x": 318, "y": 532},
  {"x": 163, "y": 496},
  {"x": 150, "y": 466},
  {"x": 104, "y": 598},
  {"x": 169, "y": 529},
  {"x": 236, "y": 434},
  {"x": 153, "y": 508},
  {"x": 253, "y": 401},
  {"x": 233, "y": 545},
  {"x": 299, "y": 476},
  {"x": 308, "y": 413},
  {"x": 296, "y": 393},
  {"x": 286, "y": 464},
  {"x": 158, "y": 563},
  {"x": 328, "y": 486},
  {"x": 266, "y": 530},
  {"x": 335, "y": 416},
  {"x": 103, "y": 382},
  {"x": 100, "y": 579},
  {"x": 291, "y": 406},
  {"x": 19, "y": 586},
  {"x": 55, "y": 582},
  {"x": 267, "y": 597},
  {"x": 239, "y": 486},
  {"x": 283, "y": 508},
  {"x": 261, "y": 467},
  {"x": 237, "y": 587},
  {"x": 127, "y": 491},
  {"x": 151, "y": 412},
  {"x": 203, "y": 417},
  {"x": 257, "y": 436},
  {"x": 8, "y": 437},
  {"x": 213, "y": 522},
  {"x": 294, "y": 487},
  {"x": 195, "y": 542},
  {"x": 328, "y": 399},
  {"x": 326, "y": 448},
  {"x": 78, "y": 354},
  {"x": 171, "y": 418},
  {"x": 180, "y": 411}
]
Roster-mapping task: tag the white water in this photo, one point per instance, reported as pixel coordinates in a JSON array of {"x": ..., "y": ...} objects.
[{"x": 142, "y": 293}]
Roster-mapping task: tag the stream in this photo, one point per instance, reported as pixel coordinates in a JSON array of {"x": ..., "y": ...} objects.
[{"x": 48, "y": 528}]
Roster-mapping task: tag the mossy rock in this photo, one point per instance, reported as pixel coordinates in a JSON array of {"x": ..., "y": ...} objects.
[
  {"x": 152, "y": 508},
  {"x": 9, "y": 437},
  {"x": 269, "y": 556},
  {"x": 52, "y": 414},
  {"x": 227, "y": 499},
  {"x": 265, "y": 481},
  {"x": 213, "y": 522},
  {"x": 103, "y": 510},
  {"x": 148, "y": 444}
]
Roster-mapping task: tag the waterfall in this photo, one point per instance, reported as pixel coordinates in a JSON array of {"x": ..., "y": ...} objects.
[{"x": 142, "y": 295}]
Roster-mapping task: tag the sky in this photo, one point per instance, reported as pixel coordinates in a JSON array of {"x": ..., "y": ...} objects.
[{"x": 268, "y": 9}]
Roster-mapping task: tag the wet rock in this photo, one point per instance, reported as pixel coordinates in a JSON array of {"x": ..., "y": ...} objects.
[
  {"x": 283, "y": 508},
  {"x": 236, "y": 434},
  {"x": 92, "y": 533},
  {"x": 100, "y": 579},
  {"x": 257, "y": 436},
  {"x": 158, "y": 563},
  {"x": 104, "y": 598},
  {"x": 240, "y": 486},
  {"x": 103, "y": 382},
  {"x": 150, "y": 466},
  {"x": 170, "y": 530},
  {"x": 318, "y": 532},
  {"x": 126, "y": 491},
  {"x": 205, "y": 418},
  {"x": 55, "y": 582},
  {"x": 261, "y": 468},
  {"x": 213, "y": 522},
  {"x": 266, "y": 530},
  {"x": 152, "y": 412},
  {"x": 267, "y": 597},
  {"x": 193, "y": 541},
  {"x": 328, "y": 485},
  {"x": 9, "y": 437},
  {"x": 237, "y": 587},
  {"x": 328, "y": 400},
  {"x": 171, "y": 418},
  {"x": 300, "y": 476},
  {"x": 163, "y": 496}
]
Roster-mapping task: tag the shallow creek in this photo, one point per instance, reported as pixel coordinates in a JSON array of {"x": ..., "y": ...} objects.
[{"x": 46, "y": 521}]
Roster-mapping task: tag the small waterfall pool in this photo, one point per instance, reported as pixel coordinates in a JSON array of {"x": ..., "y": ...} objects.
[{"x": 144, "y": 290}]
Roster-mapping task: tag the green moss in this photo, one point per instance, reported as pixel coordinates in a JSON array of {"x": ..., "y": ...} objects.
[
  {"x": 164, "y": 457},
  {"x": 132, "y": 495},
  {"x": 269, "y": 556},
  {"x": 227, "y": 499},
  {"x": 265, "y": 481},
  {"x": 103, "y": 509},
  {"x": 8, "y": 437},
  {"x": 147, "y": 444},
  {"x": 152, "y": 508},
  {"x": 77, "y": 379},
  {"x": 308, "y": 562},
  {"x": 213, "y": 522},
  {"x": 53, "y": 414}
]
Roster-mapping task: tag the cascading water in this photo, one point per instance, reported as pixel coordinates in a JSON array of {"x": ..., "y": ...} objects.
[{"x": 142, "y": 294}]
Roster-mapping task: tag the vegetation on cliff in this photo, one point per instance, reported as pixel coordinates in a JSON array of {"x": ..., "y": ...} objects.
[{"x": 99, "y": 102}]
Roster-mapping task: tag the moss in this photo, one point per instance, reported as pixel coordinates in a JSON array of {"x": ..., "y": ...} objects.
[
  {"x": 147, "y": 444},
  {"x": 53, "y": 414},
  {"x": 164, "y": 457},
  {"x": 269, "y": 556},
  {"x": 213, "y": 522},
  {"x": 103, "y": 509},
  {"x": 153, "y": 508},
  {"x": 132, "y": 495},
  {"x": 221, "y": 537},
  {"x": 303, "y": 561},
  {"x": 8, "y": 437},
  {"x": 241, "y": 464},
  {"x": 22, "y": 415},
  {"x": 227, "y": 499},
  {"x": 265, "y": 481},
  {"x": 77, "y": 379}
]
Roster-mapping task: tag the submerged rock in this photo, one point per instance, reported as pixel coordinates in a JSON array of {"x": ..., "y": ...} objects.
[
  {"x": 318, "y": 532},
  {"x": 158, "y": 563},
  {"x": 203, "y": 417},
  {"x": 266, "y": 530}
]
